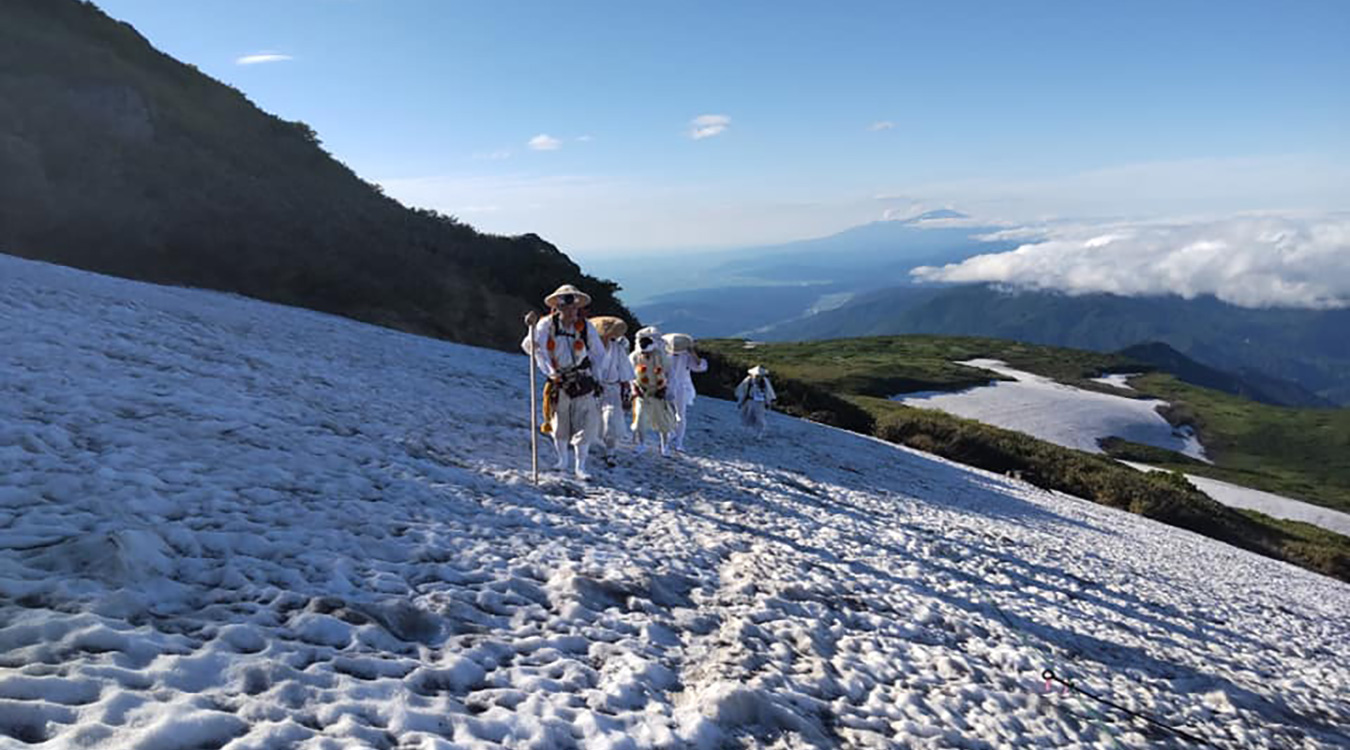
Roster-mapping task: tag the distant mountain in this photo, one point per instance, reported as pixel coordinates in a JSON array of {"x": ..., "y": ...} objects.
[
  {"x": 736, "y": 311},
  {"x": 744, "y": 291},
  {"x": 1307, "y": 347},
  {"x": 941, "y": 213},
  {"x": 873, "y": 255},
  {"x": 1254, "y": 386},
  {"x": 117, "y": 158}
]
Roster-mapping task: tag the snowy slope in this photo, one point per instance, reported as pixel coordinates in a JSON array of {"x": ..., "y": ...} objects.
[
  {"x": 224, "y": 523},
  {"x": 1058, "y": 413},
  {"x": 1269, "y": 503}
]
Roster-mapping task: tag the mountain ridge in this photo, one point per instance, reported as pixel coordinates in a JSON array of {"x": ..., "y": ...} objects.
[
  {"x": 1304, "y": 347},
  {"x": 118, "y": 158},
  {"x": 1264, "y": 389}
]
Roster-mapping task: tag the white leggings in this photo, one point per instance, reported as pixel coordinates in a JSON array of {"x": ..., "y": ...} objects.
[
  {"x": 682, "y": 422},
  {"x": 613, "y": 426}
]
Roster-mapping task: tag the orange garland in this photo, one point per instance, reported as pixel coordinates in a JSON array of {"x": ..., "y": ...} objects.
[{"x": 577, "y": 346}]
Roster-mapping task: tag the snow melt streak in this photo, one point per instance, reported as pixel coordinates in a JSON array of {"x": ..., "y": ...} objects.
[{"x": 232, "y": 524}]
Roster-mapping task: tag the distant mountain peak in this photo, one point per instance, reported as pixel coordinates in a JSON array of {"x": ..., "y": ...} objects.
[{"x": 935, "y": 215}]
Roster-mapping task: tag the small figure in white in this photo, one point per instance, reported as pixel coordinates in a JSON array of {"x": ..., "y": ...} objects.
[
  {"x": 652, "y": 410},
  {"x": 616, "y": 378},
  {"x": 755, "y": 396},
  {"x": 683, "y": 361},
  {"x": 568, "y": 350}
]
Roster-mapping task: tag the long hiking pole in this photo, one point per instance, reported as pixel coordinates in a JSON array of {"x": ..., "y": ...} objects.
[{"x": 530, "y": 319}]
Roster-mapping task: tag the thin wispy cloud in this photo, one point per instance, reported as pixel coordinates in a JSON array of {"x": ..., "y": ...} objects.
[
  {"x": 1249, "y": 261},
  {"x": 262, "y": 58},
  {"x": 881, "y": 125},
  {"x": 1211, "y": 187},
  {"x": 544, "y": 142},
  {"x": 707, "y": 126},
  {"x": 585, "y": 138},
  {"x": 497, "y": 155}
]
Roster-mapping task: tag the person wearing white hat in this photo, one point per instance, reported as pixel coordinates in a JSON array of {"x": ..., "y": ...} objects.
[
  {"x": 616, "y": 377},
  {"x": 683, "y": 361},
  {"x": 755, "y": 395},
  {"x": 652, "y": 411},
  {"x": 568, "y": 350}
]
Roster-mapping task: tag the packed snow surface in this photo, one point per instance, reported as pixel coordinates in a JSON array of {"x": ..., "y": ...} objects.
[
  {"x": 231, "y": 524},
  {"x": 1058, "y": 413}
]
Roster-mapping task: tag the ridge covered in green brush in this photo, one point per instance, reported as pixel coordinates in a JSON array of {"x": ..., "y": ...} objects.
[{"x": 117, "y": 158}]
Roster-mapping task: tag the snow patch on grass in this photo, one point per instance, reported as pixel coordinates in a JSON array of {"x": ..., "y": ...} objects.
[{"x": 1060, "y": 414}]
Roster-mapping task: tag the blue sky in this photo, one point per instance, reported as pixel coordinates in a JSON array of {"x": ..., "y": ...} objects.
[{"x": 833, "y": 114}]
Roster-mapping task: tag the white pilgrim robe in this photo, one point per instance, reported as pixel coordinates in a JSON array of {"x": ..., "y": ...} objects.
[
  {"x": 618, "y": 370},
  {"x": 755, "y": 401},
  {"x": 681, "y": 392},
  {"x": 576, "y": 421}
]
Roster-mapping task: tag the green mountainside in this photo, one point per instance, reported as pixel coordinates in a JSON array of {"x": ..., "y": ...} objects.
[{"x": 117, "y": 158}]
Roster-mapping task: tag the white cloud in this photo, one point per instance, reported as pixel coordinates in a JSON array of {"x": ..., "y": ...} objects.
[
  {"x": 881, "y": 125},
  {"x": 1247, "y": 260},
  {"x": 545, "y": 142},
  {"x": 497, "y": 155},
  {"x": 262, "y": 57},
  {"x": 707, "y": 126}
]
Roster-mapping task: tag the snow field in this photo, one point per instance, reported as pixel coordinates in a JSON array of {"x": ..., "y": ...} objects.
[
  {"x": 230, "y": 524},
  {"x": 1064, "y": 415},
  {"x": 1075, "y": 418},
  {"x": 1269, "y": 503}
]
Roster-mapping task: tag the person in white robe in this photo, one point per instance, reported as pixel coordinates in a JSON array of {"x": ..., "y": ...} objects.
[
  {"x": 755, "y": 396},
  {"x": 652, "y": 409},
  {"x": 616, "y": 378},
  {"x": 683, "y": 361},
  {"x": 568, "y": 350}
]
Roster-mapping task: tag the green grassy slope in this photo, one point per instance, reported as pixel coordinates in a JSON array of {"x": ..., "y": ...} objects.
[
  {"x": 886, "y": 365},
  {"x": 1302, "y": 453}
]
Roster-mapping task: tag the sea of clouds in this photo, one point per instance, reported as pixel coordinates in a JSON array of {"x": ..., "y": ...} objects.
[{"x": 1250, "y": 260}]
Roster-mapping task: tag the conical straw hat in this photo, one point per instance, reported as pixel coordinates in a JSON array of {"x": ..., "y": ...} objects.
[
  {"x": 609, "y": 326},
  {"x": 551, "y": 300}
]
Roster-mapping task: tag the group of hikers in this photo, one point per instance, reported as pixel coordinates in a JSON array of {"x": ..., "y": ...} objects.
[{"x": 594, "y": 377}]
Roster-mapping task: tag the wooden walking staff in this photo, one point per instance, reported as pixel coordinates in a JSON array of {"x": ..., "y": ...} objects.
[{"x": 531, "y": 318}]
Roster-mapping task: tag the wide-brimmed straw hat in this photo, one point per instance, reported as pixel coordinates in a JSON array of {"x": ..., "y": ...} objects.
[
  {"x": 758, "y": 371},
  {"x": 679, "y": 342},
  {"x": 609, "y": 326},
  {"x": 582, "y": 297}
]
